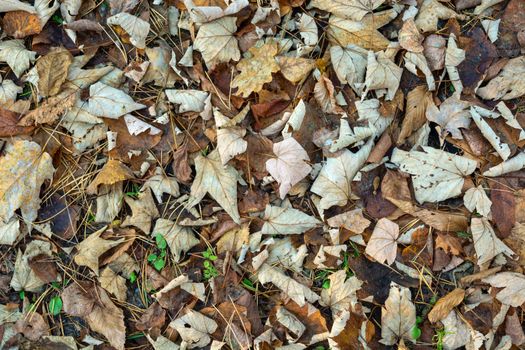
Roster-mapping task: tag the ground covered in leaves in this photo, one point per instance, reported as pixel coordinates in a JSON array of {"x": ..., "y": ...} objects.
[{"x": 273, "y": 174}]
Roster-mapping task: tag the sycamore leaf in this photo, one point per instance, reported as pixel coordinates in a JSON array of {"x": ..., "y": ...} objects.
[
  {"x": 137, "y": 28},
  {"x": 14, "y": 53},
  {"x": 294, "y": 328},
  {"x": 436, "y": 175},
  {"x": 382, "y": 245},
  {"x": 194, "y": 328},
  {"x": 180, "y": 239},
  {"x": 410, "y": 38},
  {"x": 295, "y": 69},
  {"x": 15, "y": 5},
  {"x": 52, "y": 71},
  {"x": 234, "y": 240},
  {"x": 382, "y": 73},
  {"x": 444, "y": 305},
  {"x": 430, "y": 12},
  {"x": 398, "y": 316},
  {"x": 24, "y": 167},
  {"x": 113, "y": 283},
  {"x": 161, "y": 183},
  {"x": 418, "y": 100},
  {"x": 501, "y": 148},
  {"x": 349, "y": 64},
  {"x": 144, "y": 210},
  {"x": 286, "y": 221},
  {"x": 475, "y": 198},
  {"x": 451, "y": 115},
  {"x": 256, "y": 70},
  {"x": 289, "y": 167},
  {"x": 308, "y": 29},
  {"x": 486, "y": 243},
  {"x": 513, "y": 284},
  {"x": 24, "y": 278},
  {"x": 334, "y": 182},
  {"x": 220, "y": 181},
  {"x": 363, "y": 33},
  {"x": 216, "y": 42},
  {"x": 293, "y": 289},
  {"x": 106, "y": 101},
  {"x": 91, "y": 248},
  {"x": 189, "y": 100},
  {"x": 341, "y": 295},
  {"x": 350, "y": 9},
  {"x": 352, "y": 220},
  {"x": 230, "y": 136},
  {"x": 507, "y": 85}
]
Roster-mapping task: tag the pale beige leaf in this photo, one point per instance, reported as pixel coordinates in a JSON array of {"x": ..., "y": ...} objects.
[
  {"x": 8, "y": 91},
  {"x": 410, "y": 38},
  {"x": 501, "y": 148},
  {"x": 453, "y": 57},
  {"x": 352, "y": 220},
  {"x": 324, "y": 93},
  {"x": 430, "y": 12},
  {"x": 415, "y": 62},
  {"x": 341, "y": 295},
  {"x": 382, "y": 245},
  {"x": 137, "y": 28},
  {"x": 451, "y": 115},
  {"x": 91, "y": 248},
  {"x": 109, "y": 202},
  {"x": 216, "y": 42},
  {"x": 15, "y": 54},
  {"x": 382, "y": 73},
  {"x": 475, "y": 198},
  {"x": 293, "y": 289},
  {"x": 507, "y": 85},
  {"x": 194, "y": 328},
  {"x": 113, "y": 283},
  {"x": 206, "y": 11},
  {"x": 45, "y": 9},
  {"x": 436, "y": 175},
  {"x": 230, "y": 141},
  {"x": 327, "y": 253},
  {"x": 510, "y": 118},
  {"x": 486, "y": 243},
  {"x": 350, "y": 9},
  {"x": 256, "y": 70},
  {"x": 334, "y": 182},
  {"x": 52, "y": 71},
  {"x": 492, "y": 28},
  {"x": 513, "y": 164},
  {"x": 445, "y": 304},
  {"x": 457, "y": 333},
  {"x": 161, "y": 183},
  {"x": 136, "y": 126},
  {"x": 220, "y": 181},
  {"x": 513, "y": 287},
  {"x": 349, "y": 64},
  {"x": 291, "y": 323},
  {"x": 24, "y": 167},
  {"x": 308, "y": 29},
  {"x": 24, "y": 278},
  {"x": 108, "y": 102},
  {"x": 485, "y": 4},
  {"x": 398, "y": 316},
  {"x": 143, "y": 209},
  {"x": 434, "y": 50},
  {"x": 290, "y": 165},
  {"x": 286, "y": 221},
  {"x": 295, "y": 69},
  {"x": 15, "y": 5},
  {"x": 189, "y": 100},
  {"x": 180, "y": 239},
  {"x": 159, "y": 71}
]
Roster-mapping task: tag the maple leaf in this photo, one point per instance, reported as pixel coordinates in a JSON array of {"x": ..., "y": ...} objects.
[
  {"x": 508, "y": 84},
  {"x": 256, "y": 70},
  {"x": 216, "y": 42},
  {"x": 382, "y": 245},
  {"x": 144, "y": 210},
  {"x": 431, "y": 12},
  {"x": 286, "y": 221},
  {"x": 219, "y": 180},
  {"x": 289, "y": 167},
  {"x": 14, "y": 53},
  {"x": 230, "y": 136},
  {"x": 398, "y": 316},
  {"x": 180, "y": 239},
  {"x": 341, "y": 294},
  {"x": 194, "y": 328},
  {"x": 410, "y": 38},
  {"x": 382, "y": 73},
  {"x": 91, "y": 248},
  {"x": 349, "y": 63}
]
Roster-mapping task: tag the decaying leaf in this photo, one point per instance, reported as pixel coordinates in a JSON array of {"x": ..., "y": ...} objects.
[
  {"x": 230, "y": 140},
  {"x": 91, "y": 248},
  {"x": 109, "y": 102},
  {"x": 137, "y": 28},
  {"x": 508, "y": 84},
  {"x": 475, "y": 198},
  {"x": 382, "y": 73},
  {"x": 20, "y": 24},
  {"x": 341, "y": 295},
  {"x": 444, "y": 305},
  {"x": 52, "y": 71},
  {"x": 410, "y": 38},
  {"x": 14, "y": 53},
  {"x": 350, "y": 65},
  {"x": 431, "y": 12},
  {"x": 418, "y": 100},
  {"x": 216, "y": 42},
  {"x": 194, "y": 328},
  {"x": 351, "y": 9},
  {"x": 513, "y": 287}
]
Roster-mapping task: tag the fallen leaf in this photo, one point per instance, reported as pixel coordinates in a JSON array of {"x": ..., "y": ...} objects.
[
  {"x": 113, "y": 283},
  {"x": 220, "y": 181},
  {"x": 230, "y": 142},
  {"x": 351, "y": 9},
  {"x": 513, "y": 164},
  {"x": 308, "y": 29},
  {"x": 418, "y": 100},
  {"x": 475, "y": 198},
  {"x": 91, "y": 248},
  {"x": 106, "y": 101},
  {"x": 112, "y": 172},
  {"x": 180, "y": 239},
  {"x": 436, "y": 175},
  {"x": 501, "y": 148},
  {"x": 256, "y": 70},
  {"x": 486, "y": 243},
  {"x": 21, "y": 24},
  {"x": 324, "y": 93},
  {"x": 445, "y": 304},
  {"x": 349, "y": 64},
  {"x": 143, "y": 211},
  {"x": 382, "y": 245},
  {"x": 410, "y": 38},
  {"x": 14, "y": 53},
  {"x": 137, "y": 28},
  {"x": 161, "y": 183},
  {"x": 216, "y": 42},
  {"x": 50, "y": 110},
  {"x": 451, "y": 115},
  {"x": 24, "y": 278},
  {"x": 434, "y": 51},
  {"x": 16, "y": 5},
  {"x": 398, "y": 316},
  {"x": 52, "y": 71},
  {"x": 507, "y": 85},
  {"x": 290, "y": 165},
  {"x": 194, "y": 328},
  {"x": 430, "y": 12},
  {"x": 351, "y": 220},
  {"x": 9, "y": 124},
  {"x": 136, "y": 126},
  {"x": 286, "y": 221},
  {"x": 295, "y": 69},
  {"x": 513, "y": 287},
  {"x": 32, "y": 326},
  {"x": 453, "y": 58},
  {"x": 341, "y": 295},
  {"x": 382, "y": 73}
]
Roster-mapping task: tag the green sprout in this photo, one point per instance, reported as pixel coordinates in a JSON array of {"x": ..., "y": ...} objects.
[
  {"x": 157, "y": 260},
  {"x": 209, "y": 269}
]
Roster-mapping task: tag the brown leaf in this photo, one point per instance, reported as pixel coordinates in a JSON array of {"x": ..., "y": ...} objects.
[
  {"x": 9, "y": 124},
  {"x": 44, "y": 268},
  {"x": 410, "y": 38},
  {"x": 154, "y": 317},
  {"x": 112, "y": 173},
  {"x": 435, "y": 47},
  {"x": 449, "y": 243},
  {"x": 514, "y": 329},
  {"x": 52, "y": 71},
  {"x": 446, "y": 304},
  {"x": 50, "y": 110},
  {"x": 417, "y": 101},
  {"x": 181, "y": 167},
  {"x": 503, "y": 204},
  {"x": 20, "y": 24},
  {"x": 32, "y": 326}
]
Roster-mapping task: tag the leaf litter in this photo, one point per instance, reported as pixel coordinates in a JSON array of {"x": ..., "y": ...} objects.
[{"x": 306, "y": 174}]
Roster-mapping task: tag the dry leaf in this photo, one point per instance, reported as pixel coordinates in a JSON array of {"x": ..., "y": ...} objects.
[
  {"x": 351, "y": 220},
  {"x": 341, "y": 295},
  {"x": 382, "y": 73},
  {"x": 349, "y": 64},
  {"x": 194, "y": 328},
  {"x": 230, "y": 141},
  {"x": 430, "y": 12},
  {"x": 418, "y": 101},
  {"x": 112, "y": 173},
  {"x": 486, "y": 243},
  {"x": 91, "y": 248},
  {"x": 295, "y": 69},
  {"x": 180, "y": 239},
  {"x": 50, "y": 110},
  {"x": 382, "y": 245},
  {"x": 20, "y": 24},
  {"x": 189, "y": 100},
  {"x": 436, "y": 175},
  {"x": 220, "y": 181},
  {"x": 143, "y": 211},
  {"x": 24, "y": 278},
  {"x": 434, "y": 51},
  {"x": 14, "y": 53},
  {"x": 398, "y": 316},
  {"x": 308, "y": 29},
  {"x": 286, "y": 221},
  {"x": 216, "y": 42},
  {"x": 513, "y": 287},
  {"x": 256, "y": 70},
  {"x": 137, "y": 28},
  {"x": 106, "y": 101},
  {"x": 16, "y": 5},
  {"x": 350, "y": 9},
  {"x": 160, "y": 183},
  {"x": 475, "y": 198},
  {"x": 290, "y": 165},
  {"x": 453, "y": 57},
  {"x": 410, "y": 38},
  {"x": 113, "y": 283},
  {"x": 445, "y": 304},
  {"x": 507, "y": 85},
  {"x": 451, "y": 115},
  {"x": 52, "y": 71},
  {"x": 324, "y": 93}
]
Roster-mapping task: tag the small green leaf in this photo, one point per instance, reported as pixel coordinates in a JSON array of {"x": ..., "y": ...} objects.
[
  {"x": 152, "y": 257},
  {"x": 206, "y": 264},
  {"x": 55, "y": 305},
  {"x": 159, "y": 264},
  {"x": 326, "y": 284},
  {"x": 162, "y": 254},
  {"x": 161, "y": 241},
  {"x": 22, "y": 294},
  {"x": 133, "y": 277},
  {"x": 416, "y": 332}
]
